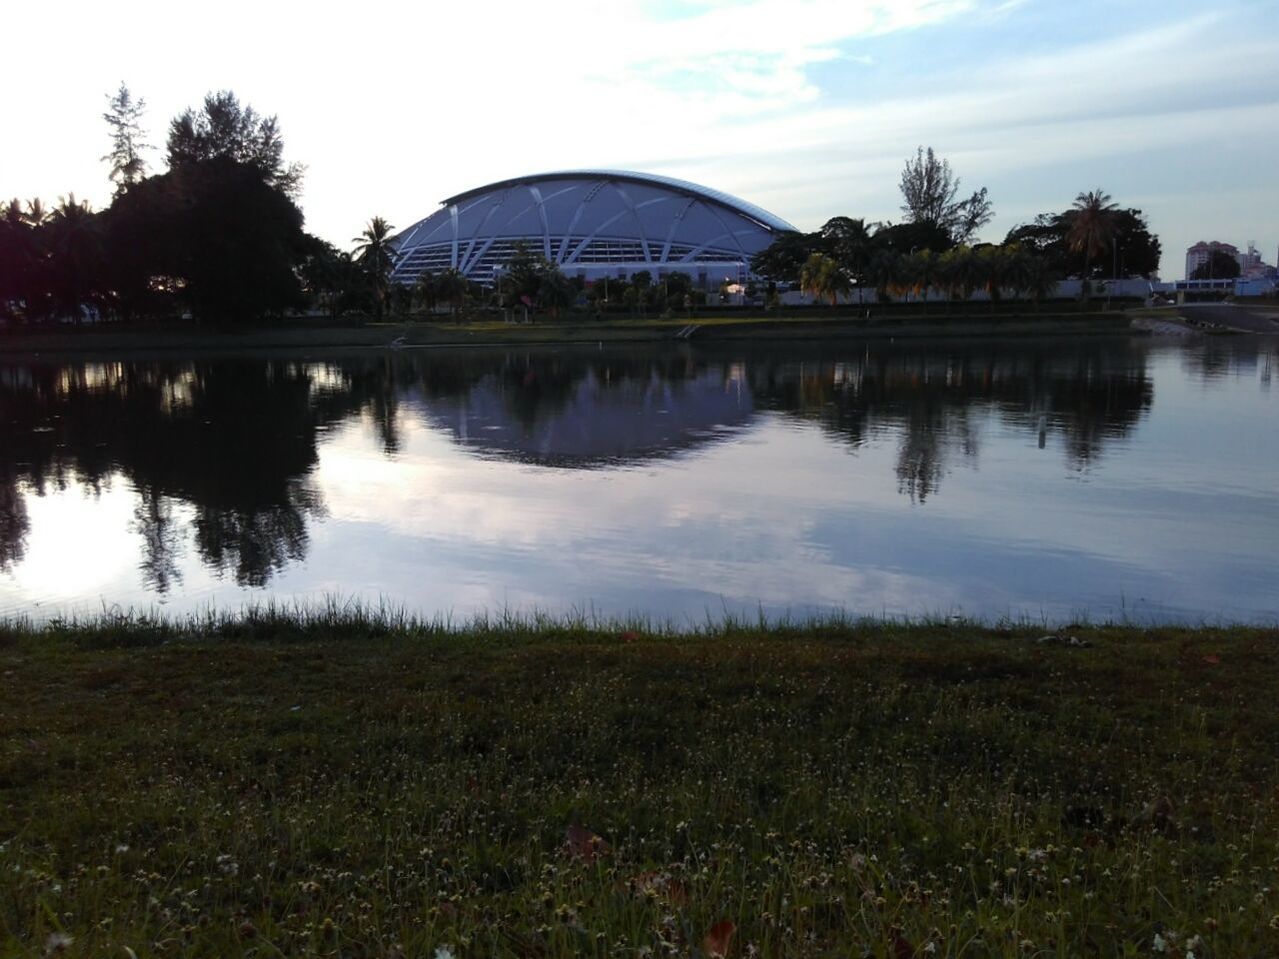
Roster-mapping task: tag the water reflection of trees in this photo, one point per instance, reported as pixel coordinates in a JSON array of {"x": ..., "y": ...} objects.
[
  {"x": 1086, "y": 393},
  {"x": 221, "y": 454},
  {"x": 230, "y": 446},
  {"x": 14, "y": 522},
  {"x": 1214, "y": 358}
]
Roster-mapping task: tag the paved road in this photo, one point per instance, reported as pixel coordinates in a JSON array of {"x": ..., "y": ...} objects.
[{"x": 1249, "y": 319}]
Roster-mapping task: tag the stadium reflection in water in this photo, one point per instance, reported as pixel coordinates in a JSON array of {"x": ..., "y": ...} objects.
[{"x": 1054, "y": 479}]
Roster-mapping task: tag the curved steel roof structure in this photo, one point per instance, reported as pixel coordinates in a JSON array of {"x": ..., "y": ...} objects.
[{"x": 590, "y": 223}]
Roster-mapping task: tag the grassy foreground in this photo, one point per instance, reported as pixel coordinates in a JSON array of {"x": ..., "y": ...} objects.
[{"x": 355, "y": 787}]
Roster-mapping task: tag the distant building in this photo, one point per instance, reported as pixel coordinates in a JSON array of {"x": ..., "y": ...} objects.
[
  {"x": 1249, "y": 261},
  {"x": 593, "y": 224},
  {"x": 1251, "y": 266},
  {"x": 1197, "y": 255}
]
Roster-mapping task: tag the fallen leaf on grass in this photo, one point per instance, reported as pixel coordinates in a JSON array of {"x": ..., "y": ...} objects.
[
  {"x": 661, "y": 884},
  {"x": 719, "y": 938},
  {"x": 1212, "y": 659},
  {"x": 583, "y": 844}
]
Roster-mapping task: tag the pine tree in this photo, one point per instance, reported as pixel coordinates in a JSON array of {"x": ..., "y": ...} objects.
[{"x": 124, "y": 116}]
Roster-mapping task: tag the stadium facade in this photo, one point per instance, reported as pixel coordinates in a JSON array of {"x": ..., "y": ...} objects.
[{"x": 591, "y": 224}]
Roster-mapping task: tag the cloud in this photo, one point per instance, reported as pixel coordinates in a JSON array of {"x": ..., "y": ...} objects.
[{"x": 807, "y": 107}]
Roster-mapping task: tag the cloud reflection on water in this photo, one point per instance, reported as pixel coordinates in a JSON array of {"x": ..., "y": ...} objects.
[{"x": 916, "y": 478}]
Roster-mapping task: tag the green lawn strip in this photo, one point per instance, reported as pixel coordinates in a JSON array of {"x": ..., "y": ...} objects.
[
  {"x": 480, "y": 330},
  {"x": 209, "y": 789}
]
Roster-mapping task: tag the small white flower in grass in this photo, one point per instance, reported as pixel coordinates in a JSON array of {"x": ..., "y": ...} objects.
[
  {"x": 444, "y": 952},
  {"x": 121, "y": 849},
  {"x": 57, "y": 942},
  {"x": 1159, "y": 944}
]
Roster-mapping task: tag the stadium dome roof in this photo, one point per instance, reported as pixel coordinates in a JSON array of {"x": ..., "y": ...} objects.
[{"x": 588, "y": 222}]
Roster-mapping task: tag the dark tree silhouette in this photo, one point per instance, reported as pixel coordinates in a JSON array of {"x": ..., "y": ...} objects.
[
  {"x": 929, "y": 189},
  {"x": 124, "y": 117},
  {"x": 223, "y": 129},
  {"x": 1219, "y": 266}
]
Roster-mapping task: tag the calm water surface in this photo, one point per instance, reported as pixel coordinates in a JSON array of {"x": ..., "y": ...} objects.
[{"x": 1050, "y": 480}]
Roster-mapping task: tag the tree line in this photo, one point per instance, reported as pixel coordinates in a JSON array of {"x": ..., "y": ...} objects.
[
  {"x": 932, "y": 251},
  {"x": 217, "y": 234}
]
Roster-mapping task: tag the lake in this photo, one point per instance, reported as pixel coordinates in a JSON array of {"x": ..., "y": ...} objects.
[{"x": 1047, "y": 480}]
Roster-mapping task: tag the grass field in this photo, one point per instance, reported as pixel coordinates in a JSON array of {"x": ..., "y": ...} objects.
[
  {"x": 488, "y": 329},
  {"x": 355, "y": 785}
]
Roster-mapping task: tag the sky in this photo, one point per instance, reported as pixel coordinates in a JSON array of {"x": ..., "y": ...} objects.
[{"x": 808, "y": 108}]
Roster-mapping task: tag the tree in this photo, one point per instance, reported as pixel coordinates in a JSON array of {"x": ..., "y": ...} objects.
[
  {"x": 240, "y": 242},
  {"x": 223, "y": 129},
  {"x": 885, "y": 272},
  {"x": 997, "y": 267},
  {"x": 124, "y": 117},
  {"x": 75, "y": 246},
  {"x": 376, "y": 256},
  {"x": 1040, "y": 280},
  {"x": 1090, "y": 227},
  {"x": 20, "y": 256},
  {"x": 24, "y": 276},
  {"x": 330, "y": 277},
  {"x": 906, "y": 238},
  {"x": 920, "y": 273},
  {"x": 963, "y": 270},
  {"x": 849, "y": 243},
  {"x": 1220, "y": 265},
  {"x": 785, "y": 257},
  {"x": 521, "y": 279},
  {"x": 426, "y": 292},
  {"x": 1133, "y": 251},
  {"x": 930, "y": 188},
  {"x": 219, "y": 232},
  {"x": 451, "y": 286},
  {"x": 642, "y": 284},
  {"x": 555, "y": 291},
  {"x": 822, "y": 277}
]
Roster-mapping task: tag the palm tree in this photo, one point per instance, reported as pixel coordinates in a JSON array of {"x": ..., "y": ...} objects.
[
  {"x": 997, "y": 268},
  {"x": 885, "y": 273},
  {"x": 963, "y": 270},
  {"x": 1091, "y": 226},
  {"x": 36, "y": 213},
  {"x": 426, "y": 292},
  {"x": 451, "y": 285},
  {"x": 26, "y": 257},
  {"x": 1040, "y": 279},
  {"x": 822, "y": 277},
  {"x": 13, "y": 254},
  {"x": 375, "y": 254},
  {"x": 76, "y": 248},
  {"x": 555, "y": 292},
  {"x": 920, "y": 273}
]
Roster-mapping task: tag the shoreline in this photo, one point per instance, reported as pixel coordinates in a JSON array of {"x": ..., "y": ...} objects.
[{"x": 497, "y": 334}]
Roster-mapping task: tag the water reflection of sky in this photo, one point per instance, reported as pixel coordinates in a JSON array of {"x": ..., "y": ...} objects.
[{"x": 758, "y": 487}]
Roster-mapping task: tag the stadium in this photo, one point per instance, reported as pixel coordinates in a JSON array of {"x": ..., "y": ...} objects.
[{"x": 591, "y": 224}]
